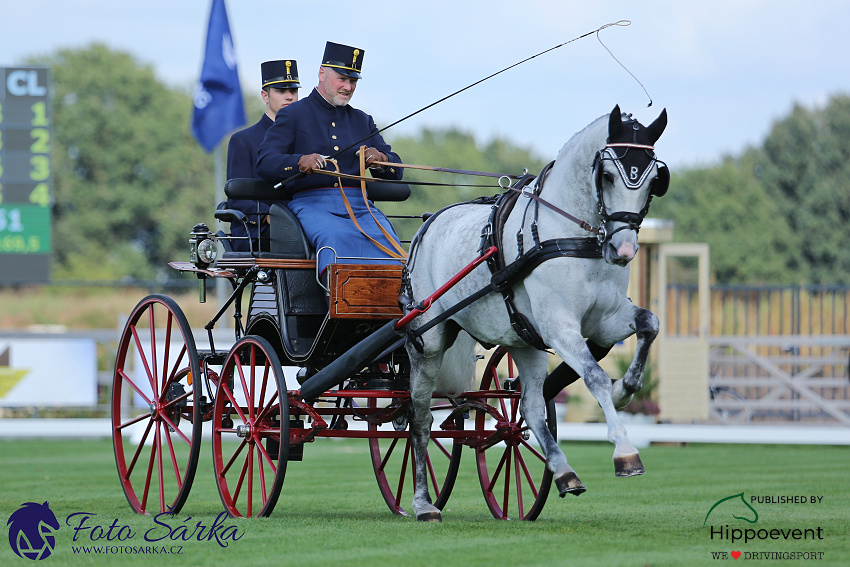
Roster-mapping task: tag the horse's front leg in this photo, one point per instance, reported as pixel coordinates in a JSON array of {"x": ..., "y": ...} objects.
[
  {"x": 531, "y": 364},
  {"x": 646, "y": 329},
  {"x": 422, "y": 376},
  {"x": 574, "y": 351}
]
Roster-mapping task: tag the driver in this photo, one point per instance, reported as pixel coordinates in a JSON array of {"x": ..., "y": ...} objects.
[{"x": 321, "y": 125}]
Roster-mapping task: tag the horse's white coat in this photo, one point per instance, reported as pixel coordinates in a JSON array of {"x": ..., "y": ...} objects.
[{"x": 566, "y": 299}]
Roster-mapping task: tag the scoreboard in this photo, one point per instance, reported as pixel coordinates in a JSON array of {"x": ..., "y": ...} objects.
[{"x": 25, "y": 174}]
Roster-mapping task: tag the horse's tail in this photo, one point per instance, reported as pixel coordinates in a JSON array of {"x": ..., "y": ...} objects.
[{"x": 457, "y": 373}]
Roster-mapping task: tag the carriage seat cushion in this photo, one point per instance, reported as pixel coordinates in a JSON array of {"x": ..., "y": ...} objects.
[{"x": 286, "y": 237}]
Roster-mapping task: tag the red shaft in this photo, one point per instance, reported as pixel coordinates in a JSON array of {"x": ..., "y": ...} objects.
[{"x": 428, "y": 301}]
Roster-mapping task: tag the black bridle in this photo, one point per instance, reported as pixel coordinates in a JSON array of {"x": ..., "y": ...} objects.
[{"x": 634, "y": 174}]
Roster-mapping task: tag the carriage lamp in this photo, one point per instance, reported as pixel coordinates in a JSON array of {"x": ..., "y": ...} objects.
[
  {"x": 202, "y": 246},
  {"x": 202, "y": 253}
]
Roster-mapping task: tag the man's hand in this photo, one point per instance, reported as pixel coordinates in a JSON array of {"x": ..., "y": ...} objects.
[
  {"x": 373, "y": 155},
  {"x": 311, "y": 162}
]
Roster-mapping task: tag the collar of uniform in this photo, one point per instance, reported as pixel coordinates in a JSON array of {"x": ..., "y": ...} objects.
[{"x": 320, "y": 101}]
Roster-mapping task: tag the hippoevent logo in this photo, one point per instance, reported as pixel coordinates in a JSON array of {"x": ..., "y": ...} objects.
[
  {"x": 748, "y": 513},
  {"x": 31, "y": 529},
  {"x": 733, "y": 520},
  {"x": 33, "y": 526}
]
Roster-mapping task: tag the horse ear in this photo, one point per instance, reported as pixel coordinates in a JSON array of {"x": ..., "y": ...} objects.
[
  {"x": 655, "y": 129},
  {"x": 615, "y": 123}
]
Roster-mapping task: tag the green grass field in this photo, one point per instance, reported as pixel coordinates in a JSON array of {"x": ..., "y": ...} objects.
[{"x": 331, "y": 513}]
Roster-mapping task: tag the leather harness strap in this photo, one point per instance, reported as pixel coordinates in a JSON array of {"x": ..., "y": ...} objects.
[
  {"x": 505, "y": 275},
  {"x": 398, "y": 253}
]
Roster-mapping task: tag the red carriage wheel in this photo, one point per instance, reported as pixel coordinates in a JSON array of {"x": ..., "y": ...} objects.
[
  {"x": 508, "y": 470},
  {"x": 392, "y": 460},
  {"x": 156, "y": 391},
  {"x": 250, "y": 429}
]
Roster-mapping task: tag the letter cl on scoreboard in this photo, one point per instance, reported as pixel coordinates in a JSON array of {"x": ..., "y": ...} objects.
[{"x": 26, "y": 140}]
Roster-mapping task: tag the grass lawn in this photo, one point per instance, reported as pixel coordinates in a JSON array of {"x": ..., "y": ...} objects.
[{"x": 331, "y": 513}]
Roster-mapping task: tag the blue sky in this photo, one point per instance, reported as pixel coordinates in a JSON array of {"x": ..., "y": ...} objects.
[{"x": 725, "y": 70}]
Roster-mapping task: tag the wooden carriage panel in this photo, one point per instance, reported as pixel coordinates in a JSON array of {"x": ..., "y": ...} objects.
[{"x": 368, "y": 291}]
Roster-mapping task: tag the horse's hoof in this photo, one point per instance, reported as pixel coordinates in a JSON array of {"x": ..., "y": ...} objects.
[
  {"x": 429, "y": 517},
  {"x": 569, "y": 484},
  {"x": 628, "y": 465}
]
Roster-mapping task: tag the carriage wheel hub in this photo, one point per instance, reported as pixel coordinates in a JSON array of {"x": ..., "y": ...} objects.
[{"x": 243, "y": 430}]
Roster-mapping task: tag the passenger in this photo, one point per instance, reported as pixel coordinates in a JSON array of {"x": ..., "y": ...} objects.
[
  {"x": 320, "y": 125},
  {"x": 279, "y": 90}
]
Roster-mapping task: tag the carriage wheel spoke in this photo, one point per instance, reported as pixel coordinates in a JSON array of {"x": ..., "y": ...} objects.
[
  {"x": 442, "y": 448},
  {"x": 270, "y": 405},
  {"x": 173, "y": 458},
  {"x": 151, "y": 462},
  {"x": 433, "y": 477},
  {"x": 160, "y": 466},
  {"x": 229, "y": 394},
  {"x": 388, "y": 454},
  {"x": 263, "y": 392},
  {"x": 498, "y": 470},
  {"x": 135, "y": 388},
  {"x": 518, "y": 480},
  {"x": 532, "y": 450},
  {"x": 507, "y": 490},
  {"x": 170, "y": 403},
  {"x": 166, "y": 379},
  {"x": 526, "y": 473},
  {"x": 177, "y": 363},
  {"x": 244, "y": 389},
  {"x": 261, "y": 472},
  {"x": 133, "y": 421},
  {"x": 403, "y": 474},
  {"x": 241, "y": 478},
  {"x": 155, "y": 383},
  {"x": 233, "y": 457},
  {"x": 497, "y": 387},
  {"x": 176, "y": 429},
  {"x": 139, "y": 448},
  {"x": 144, "y": 359},
  {"x": 250, "y": 479}
]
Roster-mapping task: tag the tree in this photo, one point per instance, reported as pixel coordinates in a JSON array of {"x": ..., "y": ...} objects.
[
  {"x": 805, "y": 167},
  {"x": 728, "y": 208},
  {"x": 129, "y": 180}
]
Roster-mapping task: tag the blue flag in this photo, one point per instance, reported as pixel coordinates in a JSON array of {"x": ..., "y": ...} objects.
[{"x": 218, "y": 99}]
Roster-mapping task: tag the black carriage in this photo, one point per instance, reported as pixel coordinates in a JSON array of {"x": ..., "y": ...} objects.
[{"x": 165, "y": 388}]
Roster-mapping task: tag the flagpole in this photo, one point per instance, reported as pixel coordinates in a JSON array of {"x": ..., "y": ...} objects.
[{"x": 222, "y": 287}]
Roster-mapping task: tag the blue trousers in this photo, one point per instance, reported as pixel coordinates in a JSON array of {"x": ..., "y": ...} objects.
[{"x": 325, "y": 220}]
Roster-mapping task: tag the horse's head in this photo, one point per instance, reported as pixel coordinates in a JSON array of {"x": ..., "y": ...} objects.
[
  {"x": 31, "y": 529},
  {"x": 626, "y": 175}
]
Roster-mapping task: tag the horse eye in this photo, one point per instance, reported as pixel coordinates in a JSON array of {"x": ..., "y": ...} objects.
[{"x": 608, "y": 177}]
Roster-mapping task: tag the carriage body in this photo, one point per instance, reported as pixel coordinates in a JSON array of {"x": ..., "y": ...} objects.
[{"x": 165, "y": 387}]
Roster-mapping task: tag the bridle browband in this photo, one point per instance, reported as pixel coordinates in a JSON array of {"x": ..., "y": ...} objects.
[{"x": 633, "y": 179}]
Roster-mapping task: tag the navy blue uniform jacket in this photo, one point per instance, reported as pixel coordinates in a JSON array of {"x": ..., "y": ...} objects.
[
  {"x": 313, "y": 125},
  {"x": 242, "y": 163}
]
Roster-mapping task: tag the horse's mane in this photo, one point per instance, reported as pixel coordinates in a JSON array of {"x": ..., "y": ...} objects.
[
  {"x": 573, "y": 165},
  {"x": 585, "y": 142}
]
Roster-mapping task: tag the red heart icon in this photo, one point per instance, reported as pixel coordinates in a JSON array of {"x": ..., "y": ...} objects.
[{"x": 735, "y": 554}]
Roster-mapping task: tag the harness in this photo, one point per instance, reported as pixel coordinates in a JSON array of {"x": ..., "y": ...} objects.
[
  {"x": 505, "y": 275},
  {"x": 634, "y": 170}
]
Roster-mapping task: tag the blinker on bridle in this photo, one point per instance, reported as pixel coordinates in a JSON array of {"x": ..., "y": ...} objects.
[{"x": 633, "y": 179}]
